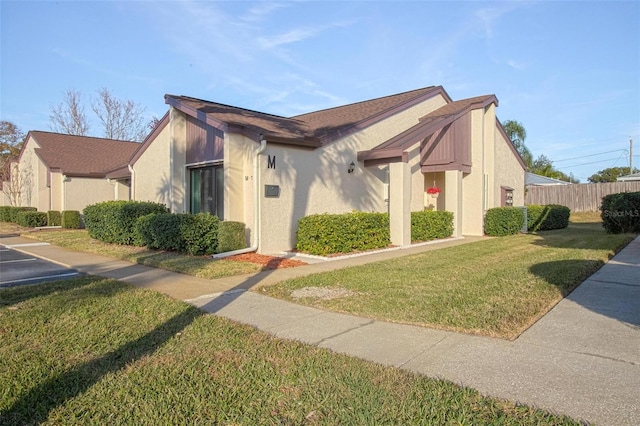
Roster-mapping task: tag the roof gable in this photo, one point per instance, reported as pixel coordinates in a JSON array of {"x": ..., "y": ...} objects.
[
  {"x": 312, "y": 129},
  {"x": 81, "y": 155}
]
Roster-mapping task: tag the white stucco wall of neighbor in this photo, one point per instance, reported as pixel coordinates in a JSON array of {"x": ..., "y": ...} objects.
[
  {"x": 508, "y": 170},
  {"x": 150, "y": 179},
  {"x": 317, "y": 181},
  {"x": 79, "y": 192}
]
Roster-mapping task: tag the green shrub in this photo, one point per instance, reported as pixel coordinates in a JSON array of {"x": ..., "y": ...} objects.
[
  {"x": 31, "y": 219},
  {"x": 193, "y": 234},
  {"x": 501, "y": 221},
  {"x": 323, "y": 234},
  {"x": 621, "y": 212},
  {"x": 4, "y": 213},
  {"x": 54, "y": 218},
  {"x": 199, "y": 233},
  {"x": 115, "y": 221},
  {"x": 10, "y": 213},
  {"x": 166, "y": 232},
  {"x": 70, "y": 219},
  {"x": 547, "y": 217},
  {"x": 431, "y": 224},
  {"x": 231, "y": 236}
]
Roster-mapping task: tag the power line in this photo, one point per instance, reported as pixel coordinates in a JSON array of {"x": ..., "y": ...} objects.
[
  {"x": 590, "y": 155},
  {"x": 593, "y": 162}
]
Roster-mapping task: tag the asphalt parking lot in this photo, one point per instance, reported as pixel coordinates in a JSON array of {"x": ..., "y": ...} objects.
[{"x": 17, "y": 268}]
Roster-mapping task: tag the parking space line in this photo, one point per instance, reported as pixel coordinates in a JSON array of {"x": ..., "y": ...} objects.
[
  {"x": 27, "y": 245},
  {"x": 18, "y": 260},
  {"x": 71, "y": 274}
]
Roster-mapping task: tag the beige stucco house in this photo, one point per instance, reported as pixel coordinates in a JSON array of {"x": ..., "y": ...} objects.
[
  {"x": 377, "y": 155},
  {"x": 64, "y": 172}
]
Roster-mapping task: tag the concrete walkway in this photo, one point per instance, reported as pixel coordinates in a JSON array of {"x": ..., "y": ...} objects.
[{"x": 582, "y": 359}]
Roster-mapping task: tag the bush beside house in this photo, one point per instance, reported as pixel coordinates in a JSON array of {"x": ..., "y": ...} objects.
[
  {"x": 10, "y": 213},
  {"x": 31, "y": 219},
  {"x": 621, "y": 212},
  {"x": 431, "y": 224},
  {"x": 70, "y": 219},
  {"x": 323, "y": 234},
  {"x": 115, "y": 221},
  {"x": 547, "y": 217},
  {"x": 54, "y": 218},
  {"x": 231, "y": 236},
  {"x": 501, "y": 221}
]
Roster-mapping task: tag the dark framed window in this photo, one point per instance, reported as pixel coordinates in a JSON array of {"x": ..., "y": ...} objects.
[{"x": 207, "y": 190}]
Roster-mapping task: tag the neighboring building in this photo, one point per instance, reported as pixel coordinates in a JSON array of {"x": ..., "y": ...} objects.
[
  {"x": 378, "y": 155},
  {"x": 65, "y": 172},
  {"x": 533, "y": 179},
  {"x": 629, "y": 178}
]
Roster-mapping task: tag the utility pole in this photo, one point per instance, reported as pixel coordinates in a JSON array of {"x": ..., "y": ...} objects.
[{"x": 630, "y": 155}]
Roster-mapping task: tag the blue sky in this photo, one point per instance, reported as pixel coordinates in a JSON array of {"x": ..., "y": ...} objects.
[{"x": 568, "y": 71}]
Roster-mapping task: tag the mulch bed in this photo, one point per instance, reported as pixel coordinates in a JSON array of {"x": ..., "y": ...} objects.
[{"x": 267, "y": 262}]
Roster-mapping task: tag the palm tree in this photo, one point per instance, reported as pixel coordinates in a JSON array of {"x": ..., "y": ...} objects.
[{"x": 516, "y": 132}]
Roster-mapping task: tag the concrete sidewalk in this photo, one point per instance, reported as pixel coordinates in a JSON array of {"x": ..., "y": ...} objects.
[{"x": 582, "y": 359}]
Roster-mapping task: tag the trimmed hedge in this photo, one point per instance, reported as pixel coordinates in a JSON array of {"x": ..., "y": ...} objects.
[
  {"x": 70, "y": 219},
  {"x": 10, "y": 213},
  {"x": 4, "y": 213},
  {"x": 431, "y": 224},
  {"x": 115, "y": 221},
  {"x": 500, "y": 221},
  {"x": 231, "y": 236},
  {"x": 323, "y": 234},
  {"x": 31, "y": 219},
  {"x": 193, "y": 234},
  {"x": 621, "y": 212},
  {"x": 548, "y": 217},
  {"x": 54, "y": 218}
]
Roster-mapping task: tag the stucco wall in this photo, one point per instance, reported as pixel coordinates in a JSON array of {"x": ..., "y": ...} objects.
[
  {"x": 473, "y": 183},
  {"x": 151, "y": 179},
  {"x": 508, "y": 172},
  {"x": 79, "y": 192},
  {"x": 317, "y": 181}
]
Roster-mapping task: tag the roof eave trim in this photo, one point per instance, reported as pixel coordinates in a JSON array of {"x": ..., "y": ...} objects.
[
  {"x": 150, "y": 138},
  {"x": 195, "y": 113}
]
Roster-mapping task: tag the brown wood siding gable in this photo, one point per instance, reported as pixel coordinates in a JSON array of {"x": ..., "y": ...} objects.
[
  {"x": 205, "y": 143},
  {"x": 448, "y": 148}
]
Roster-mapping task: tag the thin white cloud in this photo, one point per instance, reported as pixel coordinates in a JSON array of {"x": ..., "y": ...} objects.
[
  {"x": 262, "y": 10},
  {"x": 297, "y": 34},
  {"x": 516, "y": 64}
]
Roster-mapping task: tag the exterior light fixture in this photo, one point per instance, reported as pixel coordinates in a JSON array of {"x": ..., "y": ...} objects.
[{"x": 351, "y": 168}]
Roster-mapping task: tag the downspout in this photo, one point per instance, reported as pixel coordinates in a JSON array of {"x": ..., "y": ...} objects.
[
  {"x": 256, "y": 206},
  {"x": 132, "y": 193}
]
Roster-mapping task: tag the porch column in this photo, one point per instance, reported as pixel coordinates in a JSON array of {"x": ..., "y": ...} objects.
[
  {"x": 453, "y": 198},
  {"x": 400, "y": 203}
]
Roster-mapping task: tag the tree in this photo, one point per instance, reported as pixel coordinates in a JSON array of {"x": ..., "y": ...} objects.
[
  {"x": 121, "y": 119},
  {"x": 11, "y": 140},
  {"x": 68, "y": 116},
  {"x": 543, "y": 166},
  {"x": 517, "y": 134},
  {"x": 611, "y": 174}
]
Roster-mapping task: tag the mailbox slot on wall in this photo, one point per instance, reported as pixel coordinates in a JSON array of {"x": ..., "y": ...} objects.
[{"x": 271, "y": 191}]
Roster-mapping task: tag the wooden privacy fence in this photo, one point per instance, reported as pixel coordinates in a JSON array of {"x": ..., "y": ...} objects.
[{"x": 579, "y": 197}]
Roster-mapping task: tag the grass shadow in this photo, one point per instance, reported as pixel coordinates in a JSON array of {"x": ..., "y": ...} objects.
[
  {"x": 35, "y": 406},
  {"x": 566, "y": 274},
  {"x": 14, "y": 295}
]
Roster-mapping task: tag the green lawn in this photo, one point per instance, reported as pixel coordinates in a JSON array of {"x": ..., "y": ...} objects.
[
  {"x": 97, "y": 351},
  {"x": 496, "y": 287},
  {"x": 199, "y": 266}
]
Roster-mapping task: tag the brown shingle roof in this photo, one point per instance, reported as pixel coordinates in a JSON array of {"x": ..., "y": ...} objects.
[
  {"x": 254, "y": 120},
  {"x": 315, "y": 126},
  {"x": 338, "y": 119},
  {"x": 82, "y": 155}
]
